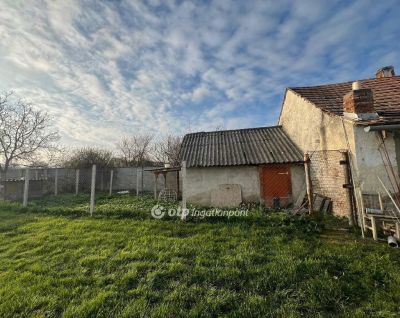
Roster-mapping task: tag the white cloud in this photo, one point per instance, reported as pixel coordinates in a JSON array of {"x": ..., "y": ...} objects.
[
  {"x": 107, "y": 69},
  {"x": 200, "y": 92}
]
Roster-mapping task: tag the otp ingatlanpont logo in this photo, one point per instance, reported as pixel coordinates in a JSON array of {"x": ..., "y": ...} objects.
[{"x": 157, "y": 212}]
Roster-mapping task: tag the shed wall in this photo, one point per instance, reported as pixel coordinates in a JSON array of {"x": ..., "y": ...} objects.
[{"x": 200, "y": 182}]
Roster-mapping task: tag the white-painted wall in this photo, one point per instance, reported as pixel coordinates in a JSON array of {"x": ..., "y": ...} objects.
[
  {"x": 369, "y": 161},
  {"x": 201, "y": 182},
  {"x": 312, "y": 129}
]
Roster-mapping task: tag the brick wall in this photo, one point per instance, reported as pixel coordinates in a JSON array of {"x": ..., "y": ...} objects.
[
  {"x": 359, "y": 101},
  {"x": 328, "y": 177}
]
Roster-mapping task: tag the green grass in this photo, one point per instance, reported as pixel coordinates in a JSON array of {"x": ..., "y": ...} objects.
[{"x": 57, "y": 261}]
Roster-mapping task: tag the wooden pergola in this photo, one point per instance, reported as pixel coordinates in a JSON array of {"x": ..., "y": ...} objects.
[{"x": 164, "y": 171}]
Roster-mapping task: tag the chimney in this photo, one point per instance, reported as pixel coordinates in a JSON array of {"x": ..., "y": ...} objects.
[
  {"x": 386, "y": 71},
  {"x": 359, "y": 103}
]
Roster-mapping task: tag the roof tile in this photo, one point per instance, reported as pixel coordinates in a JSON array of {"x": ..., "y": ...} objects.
[{"x": 329, "y": 97}]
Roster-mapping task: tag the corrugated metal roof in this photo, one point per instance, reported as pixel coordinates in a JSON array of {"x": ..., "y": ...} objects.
[{"x": 253, "y": 146}]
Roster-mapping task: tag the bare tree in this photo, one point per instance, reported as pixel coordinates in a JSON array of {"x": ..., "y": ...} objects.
[
  {"x": 167, "y": 150},
  {"x": 86, "y": 157},
  {"x": 24, "y": 131},
  {"x": 135, "y": 150}
]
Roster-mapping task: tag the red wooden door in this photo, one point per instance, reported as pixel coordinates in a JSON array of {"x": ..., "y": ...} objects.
[{"x": 276, "y": 182}]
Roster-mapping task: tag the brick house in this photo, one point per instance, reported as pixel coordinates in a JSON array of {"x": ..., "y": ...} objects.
[{"x": 352, "y": 132}]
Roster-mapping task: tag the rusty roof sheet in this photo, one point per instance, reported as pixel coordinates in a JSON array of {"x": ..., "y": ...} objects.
[
  {"x": 329, "y": 98},
  {"x": 252, "y": 146}
]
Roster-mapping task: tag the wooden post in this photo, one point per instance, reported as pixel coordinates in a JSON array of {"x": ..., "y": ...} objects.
[
  {"x": 155, "y": 185},
  {"x": 76, "y": 181},
  {"x": 374, "y": 229},
  {"x": 93, "y": 190},
  {"x": 111, "y": 181},
  {"x": 26, "y": 188},
  {"x": 308, "y": 182},
  {"x": 137, "y": 181},
  {"x": 397, "y": 230},
  {"x": 380, "y": 202},
  {"x": 56, "y": 182},
  {"x": 183, "y": 175},
  {"x": 349, "y": 184},
  {"x": 381, "y": 207},
  {"x": 363, "y": 225}
]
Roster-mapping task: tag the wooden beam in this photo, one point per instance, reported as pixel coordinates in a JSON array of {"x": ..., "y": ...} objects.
[
  {"x": 380, "y": 201},
  {"x": 374, "y": 229},
  {"x": 308, "y": 182}
]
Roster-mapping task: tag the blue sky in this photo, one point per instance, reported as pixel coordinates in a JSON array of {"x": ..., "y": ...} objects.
[{"x": 108, "y": 69}]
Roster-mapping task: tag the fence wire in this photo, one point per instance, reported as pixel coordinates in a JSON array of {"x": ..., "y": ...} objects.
[{"x": 59, "y": 181}]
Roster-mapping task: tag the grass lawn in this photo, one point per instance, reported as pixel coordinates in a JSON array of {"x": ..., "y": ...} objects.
[{"x": 57, "y": 261}]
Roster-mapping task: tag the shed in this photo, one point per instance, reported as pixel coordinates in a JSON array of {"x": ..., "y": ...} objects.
[{"x": 226, "y": 168}]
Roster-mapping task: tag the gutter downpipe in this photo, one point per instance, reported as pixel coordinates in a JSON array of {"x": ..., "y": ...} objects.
[{"x": 382, "y": 127}]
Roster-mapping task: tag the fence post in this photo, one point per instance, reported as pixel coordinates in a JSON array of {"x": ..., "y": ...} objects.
[
  {"x": 155, "y": 185},
  {"x": 111, "y": 180},
  {"x": 76, "y": 181},
  {"x": 308, "y": 182},
  {"x": 137, "y": 181},
  {"x": 92, "y": 189},
  {"x": 183, "y": 175},
  {"x": 56, "y": 182},
  {"x": 26, "y": 188}
]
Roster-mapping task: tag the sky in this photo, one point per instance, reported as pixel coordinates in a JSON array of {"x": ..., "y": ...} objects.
[{"x": 108, "y": 69}]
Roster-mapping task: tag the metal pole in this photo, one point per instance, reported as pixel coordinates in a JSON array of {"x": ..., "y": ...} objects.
[
  {"x": 111, "y": 181},
  {"x": 26, "y": 188},
  {"x": 93, "y": 190},
  {"x": 56, "y": 182},
  {"x": 76, "y": 181}
]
